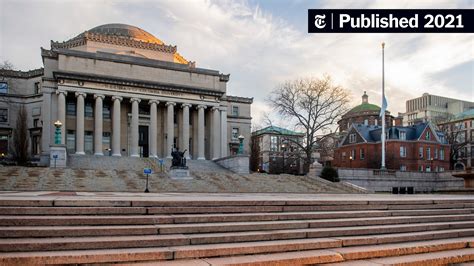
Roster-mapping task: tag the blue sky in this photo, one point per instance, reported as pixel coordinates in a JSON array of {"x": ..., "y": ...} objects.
[{"x": 260, "y": 43}]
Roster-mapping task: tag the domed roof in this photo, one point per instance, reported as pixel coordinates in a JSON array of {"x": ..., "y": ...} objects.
[
  {"x": 125, "y": 31},
  {"x": 365, "y": 107}
]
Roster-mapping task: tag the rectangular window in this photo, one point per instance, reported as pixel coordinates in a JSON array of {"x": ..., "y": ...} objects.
[
  {"x": 106, "y": 111},
  {"x": 235, "y": 133},
  {"x": 353, "y": 155},
  {"x": 403, "y": 168},
  {"x": 428, "y": 168},
  {"x": 273, "y": 143},
  {"x": 36, "y": 122},
  {"x": 420, "y": 152},
  {"x": 362, "y": 154},
  {"x": 441, "y": 154},
  {"x": 436, "y": 153},
  {"x": 3, "y": 115},
  {"x": 441, "y": 169},
  {"x": 88, "y": 142},
  {"x": 403, "y": 135},
  {"x": 352, "y": 138},
  {"x": 144, "y": 109},
  {"x": 89, "y": 110},
  {"x": 366, "y": 122},
  {"x": 3, "y": 88},
  {"x": 71, "y": 141},
  {"x": 427, "y": 135},
  {"x": 71, "y": 108},
  {"x": 36, "y": 145},
  {"x": 106, "y": 142},
  {"x": 420, "y": 168},
  {"x": 428, "y": 153},
  {"x": 235, "y": 110},
  {"x": 403, "y": 151},
  {"x": 37, "y": 88}
]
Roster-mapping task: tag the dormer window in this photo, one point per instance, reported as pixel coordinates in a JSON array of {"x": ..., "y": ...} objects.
[
  {"x": 352, "y": 138},
  {"x": 427, "y": 135},
  {"x": 402, "y": 135}
]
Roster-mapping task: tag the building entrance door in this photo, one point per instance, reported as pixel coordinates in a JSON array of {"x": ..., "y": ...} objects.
[{"x": 143, "y": 141}]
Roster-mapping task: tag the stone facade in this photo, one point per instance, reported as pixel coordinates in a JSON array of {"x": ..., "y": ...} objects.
[{"x": 120, "y": 91}]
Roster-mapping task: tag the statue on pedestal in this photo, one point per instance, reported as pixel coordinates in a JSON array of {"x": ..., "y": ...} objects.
[{"x": 178, "y": 161}]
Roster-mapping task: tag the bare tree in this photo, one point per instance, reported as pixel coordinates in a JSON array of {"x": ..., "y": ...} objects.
[
  {"x": 456, "y": 136},
  {"x": 312, "y": 105},
  {"x": 20, "y": 137},
  {"x": 7, "y": 65}
]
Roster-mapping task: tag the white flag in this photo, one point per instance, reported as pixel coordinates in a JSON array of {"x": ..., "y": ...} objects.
[{"x": 384, "y": 106}]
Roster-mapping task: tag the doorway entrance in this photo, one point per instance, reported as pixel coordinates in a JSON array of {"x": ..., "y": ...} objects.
[{"x": 143, "y": 141}]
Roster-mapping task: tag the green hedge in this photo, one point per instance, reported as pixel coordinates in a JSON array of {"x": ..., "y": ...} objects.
[{"x": 330, "y": 174}]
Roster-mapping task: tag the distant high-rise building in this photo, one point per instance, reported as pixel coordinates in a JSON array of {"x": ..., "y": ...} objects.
[{"x": 433, "y": 108}]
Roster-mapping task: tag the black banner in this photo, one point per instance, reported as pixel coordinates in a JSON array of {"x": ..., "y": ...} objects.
[{"x": 390, "y": 21}]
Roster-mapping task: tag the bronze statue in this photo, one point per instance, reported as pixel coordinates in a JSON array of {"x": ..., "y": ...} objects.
[{"x": 178, "y": 161}]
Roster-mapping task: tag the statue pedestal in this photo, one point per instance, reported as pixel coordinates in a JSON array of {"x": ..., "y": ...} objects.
[
  {"x": 177, "y": 172},
  {"x": 58, "y": 156},
  {"x": 315, "y": 169}
]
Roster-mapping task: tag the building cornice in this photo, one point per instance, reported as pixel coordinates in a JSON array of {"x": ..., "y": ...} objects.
[
  {"x": 22, "y": 74},
  {"x": 238, "y": 99},
  {"x": 82, "y": 39},
  {"x": 59, "y": 75}
]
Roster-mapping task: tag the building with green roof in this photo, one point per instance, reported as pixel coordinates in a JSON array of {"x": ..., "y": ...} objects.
[{"x": 365, "y": 113}]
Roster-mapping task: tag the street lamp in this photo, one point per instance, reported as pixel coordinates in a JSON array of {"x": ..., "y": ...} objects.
[
  {"x": 57, "y": 133},
  {"x": 350, "y": 161},
  {"x": 283, "y": 148},
  {"x": 241, "y": 145}
]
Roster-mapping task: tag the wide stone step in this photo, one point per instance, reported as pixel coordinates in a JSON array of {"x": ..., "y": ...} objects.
[
  {"x": 69, "y": 231},
  {"x": 72, "y": 211},
  {"x": 102, "y": 242},
  {"x": 242, "y": 217},
  {"x": 83, "y": 220},
  {"x": 338, "y": 232},
  {"x": 448, "y": 257},
  {"x": 295, "y": 224},
  {"x": 340, "y": 254}
]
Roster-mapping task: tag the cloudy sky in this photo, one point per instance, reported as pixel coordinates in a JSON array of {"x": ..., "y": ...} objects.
[{"x": 260, "y": 43}]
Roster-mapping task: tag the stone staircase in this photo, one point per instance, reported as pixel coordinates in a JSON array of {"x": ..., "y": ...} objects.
[{"x": 237, "y": 231}]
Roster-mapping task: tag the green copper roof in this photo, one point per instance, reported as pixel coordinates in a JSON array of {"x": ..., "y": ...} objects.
[
  {"x": 276, "y": 130},
  {"x": 365, "y": 107}
]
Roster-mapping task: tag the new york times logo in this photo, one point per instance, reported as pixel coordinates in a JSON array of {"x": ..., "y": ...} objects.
[
  {"x": 319, "y": 21},
  {"x": 390, "y": 20}
]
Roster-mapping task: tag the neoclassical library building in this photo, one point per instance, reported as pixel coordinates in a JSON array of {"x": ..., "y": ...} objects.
[{"x": 120, "y": 91}]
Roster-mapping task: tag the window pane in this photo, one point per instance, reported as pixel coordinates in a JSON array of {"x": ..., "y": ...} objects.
[
  {"x": 106, "y": 111},
  {"x": 3, "y": 115},
  {"x": 3, "y": 87},
  {"x": 89, "y": 142},
  {"x": 71, "y": 141},
  {"x": 89, "y": 112},
  {"x": 71, "y": 108}
]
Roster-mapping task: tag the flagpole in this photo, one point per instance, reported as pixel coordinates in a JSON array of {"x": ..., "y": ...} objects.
[{"x": 383, "y": 114}]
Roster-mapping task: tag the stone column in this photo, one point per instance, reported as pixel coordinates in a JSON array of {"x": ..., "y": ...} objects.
[
  {"x": 134, "y": 128},
  {"x": 185, "y": 135},
  {"x": 169, "y": 128},
  {"x": 201, "y": 132},
  {"x": 224, "y": 143},
  {"x": 215, "y": 133},
  {"x": 62, "y": 113},
  {"x": 98, "y": 124},
  {"x": 153, "y": 130},
  {"x": 80, "y": 123},
  {"x": 47, "y": 124},
  {"x": 116, "y": 151}
]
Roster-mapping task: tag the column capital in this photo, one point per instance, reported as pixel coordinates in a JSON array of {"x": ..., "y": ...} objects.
[
  {"x": 170, "y": 103},
  {"x": 150, "y": 102},
  {"x": 186, "y": 105},
  {"x": 223, "y": 108},
  {"x": 120, "y": 98},
  {"x": 99, "y": 96},
  {"x": 61, "y": 92},
  {"x": 135, "y": 100},
  {"x": 215, "y": 108},
  {"x": 201, "y": 106},
  {"x": 80, "y": 93}
]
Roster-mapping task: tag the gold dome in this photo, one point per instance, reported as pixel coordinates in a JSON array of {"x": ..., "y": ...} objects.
[{"x": 125, "y": 31}]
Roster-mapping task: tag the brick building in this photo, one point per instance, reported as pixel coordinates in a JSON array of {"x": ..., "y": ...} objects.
[{"x": 414, "y": 148}]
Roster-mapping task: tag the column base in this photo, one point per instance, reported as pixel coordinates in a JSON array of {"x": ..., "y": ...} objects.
[
  {"x": 215, "y": 158},
  {"x": 201, "y": 158},
  {"x": 169, "y": 157},
  {"x": 117, "y": 155},
  {"x": 80, "y": 153},
  {"x": 98, "y": 154},
  {"x": 135, "y": 155}
]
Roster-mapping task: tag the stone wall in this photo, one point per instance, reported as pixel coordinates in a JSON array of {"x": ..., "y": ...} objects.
[
  {"x": 236, "y": 163},
  {"x": 384, "y": 181}
]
